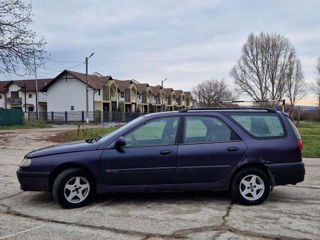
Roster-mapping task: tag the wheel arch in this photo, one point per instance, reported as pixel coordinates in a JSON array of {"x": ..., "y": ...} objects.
[
  {"x": 59, "y": 169},
  {"x": 260, "y": 166}
]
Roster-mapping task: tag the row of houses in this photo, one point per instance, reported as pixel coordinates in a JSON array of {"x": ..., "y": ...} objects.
[{"x": 67, "y": 92}]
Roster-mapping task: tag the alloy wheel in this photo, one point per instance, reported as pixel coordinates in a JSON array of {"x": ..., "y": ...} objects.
[
  {"x": 251, "y": 187},
  {"x": 76, "y": 189}
]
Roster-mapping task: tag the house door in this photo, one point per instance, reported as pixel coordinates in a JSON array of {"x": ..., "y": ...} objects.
[{"x": 106, "y": 112}]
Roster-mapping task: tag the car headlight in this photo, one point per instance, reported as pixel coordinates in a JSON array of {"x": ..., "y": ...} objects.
[{"x": 26, "y": 162}]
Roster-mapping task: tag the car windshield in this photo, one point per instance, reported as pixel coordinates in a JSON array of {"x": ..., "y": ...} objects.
[{"x": 124, "y": 127}]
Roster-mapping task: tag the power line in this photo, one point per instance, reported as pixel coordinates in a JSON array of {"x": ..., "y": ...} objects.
[
  {"x": 61, "y": 61},
  {"x": 95, "y": 68},
  {"x": 76, "y": 65}
]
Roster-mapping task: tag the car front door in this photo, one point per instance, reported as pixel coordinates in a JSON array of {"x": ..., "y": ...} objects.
[
  {"x": 209, "y": 150},
  {"x": 148, "y": 158}
]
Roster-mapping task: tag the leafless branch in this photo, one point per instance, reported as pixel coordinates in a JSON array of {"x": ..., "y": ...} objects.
[
  {"x": 211, "y": 92},
  {"x": 19, "y": 45},
  {"x": 264, "y": 66}
]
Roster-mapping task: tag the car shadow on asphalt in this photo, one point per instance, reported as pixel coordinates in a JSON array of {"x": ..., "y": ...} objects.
[
  {"x": 163, "y": 197},
  {"x": 45, "y": 199}
]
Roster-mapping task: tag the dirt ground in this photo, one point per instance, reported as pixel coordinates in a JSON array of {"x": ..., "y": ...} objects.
[{"x": 290, "y": 212}]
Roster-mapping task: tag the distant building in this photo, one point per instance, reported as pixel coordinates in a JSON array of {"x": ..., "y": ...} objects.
[
  {"x": 67, "y": 92},
  {"x": 22, "y": 94}
]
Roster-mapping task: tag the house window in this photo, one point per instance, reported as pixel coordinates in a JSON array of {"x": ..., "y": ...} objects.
[
  {"x": 30, "y": 95},
  {"x": 15, "y": 94},
  {"x": 72, "y": 108},
  {"x": 30, "y": 109},
  {"x": 0, "y": 96}
]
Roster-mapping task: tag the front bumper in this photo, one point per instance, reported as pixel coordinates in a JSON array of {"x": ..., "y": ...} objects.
[
  {"x": 287, "y": 173},
  {"x": 33, "y": 181}
]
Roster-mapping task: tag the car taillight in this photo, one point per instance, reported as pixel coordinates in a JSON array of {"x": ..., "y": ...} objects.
[{"x": 299, "y": 144}]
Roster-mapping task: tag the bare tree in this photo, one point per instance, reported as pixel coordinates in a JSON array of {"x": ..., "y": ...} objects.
[
  {"x": 262, "y": 70},
  {"x": 211, "y": 92},
  {"x": 20, "y": 50},
  {"x": 316, "y": 86},
  {"x": 295, "y": 83}
]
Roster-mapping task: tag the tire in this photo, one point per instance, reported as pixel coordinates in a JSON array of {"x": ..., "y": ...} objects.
[
  {"x": 250, "y": 186},
  {"x": 74, "y": 187}
]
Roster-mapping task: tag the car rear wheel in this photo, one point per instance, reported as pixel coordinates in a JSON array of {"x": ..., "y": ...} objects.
[
  {"x": 73, "y": 188},
  {"x": 250, "y": 186}
]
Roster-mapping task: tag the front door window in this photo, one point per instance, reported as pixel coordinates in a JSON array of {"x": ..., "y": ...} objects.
[{"x": 161, "y": 131}]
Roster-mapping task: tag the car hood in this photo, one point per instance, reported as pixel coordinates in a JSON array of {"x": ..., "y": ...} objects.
[{"x": 63, "y": 148}]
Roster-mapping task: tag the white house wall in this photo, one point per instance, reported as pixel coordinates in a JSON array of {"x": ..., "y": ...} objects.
[
  {"x": 2, "y": 101},
  {"x": 66, "y": 92},
  {"x": 30, "y": 101}
]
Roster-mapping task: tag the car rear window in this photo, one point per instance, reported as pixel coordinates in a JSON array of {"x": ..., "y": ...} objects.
[{"x": 260, "y": 125}]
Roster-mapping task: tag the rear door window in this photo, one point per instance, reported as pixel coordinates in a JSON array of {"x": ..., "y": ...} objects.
[
  {"x": 205, "y": 129},
  {"x": 260, "y": 125}
]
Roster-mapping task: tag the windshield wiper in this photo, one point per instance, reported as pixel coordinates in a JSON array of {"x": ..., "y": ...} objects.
[{"x": 92, "y": 140}]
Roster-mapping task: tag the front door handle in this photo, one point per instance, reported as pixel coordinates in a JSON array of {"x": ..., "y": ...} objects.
[
  {"x": 232, "y": 149},
  {"x": 164, "y": 152}
]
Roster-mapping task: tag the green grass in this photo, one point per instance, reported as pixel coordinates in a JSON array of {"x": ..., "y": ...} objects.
[
  {"x": 28, "y": 125},
  {"x": 83, "y": 134},
  {"x": 310, "y": 134}
]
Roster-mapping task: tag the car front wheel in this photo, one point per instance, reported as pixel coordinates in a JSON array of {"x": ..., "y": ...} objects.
[
  {"x": 73, "y": 188},
  {"x": 250, "y": 186}
]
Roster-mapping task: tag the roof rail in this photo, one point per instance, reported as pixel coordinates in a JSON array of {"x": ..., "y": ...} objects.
[{"x": 228, "y": 109}]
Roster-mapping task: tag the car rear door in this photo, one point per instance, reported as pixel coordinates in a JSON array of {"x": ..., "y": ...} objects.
[
  {"x": 209, "y": 150},
  {"x": 148, "y": 158}
]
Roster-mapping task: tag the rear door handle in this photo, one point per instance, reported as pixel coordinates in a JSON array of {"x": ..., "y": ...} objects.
[
  {"x": 164, "y": 152},
  {"x": 232, "y": 149}
]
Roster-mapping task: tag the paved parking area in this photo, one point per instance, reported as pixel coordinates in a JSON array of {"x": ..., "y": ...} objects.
[{"x": 290, "y": 212}]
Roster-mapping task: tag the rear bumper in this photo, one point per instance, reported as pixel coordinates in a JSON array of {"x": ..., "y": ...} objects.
[
  {"x": 33, "y": 181},
  {"x": 287, "y": 173}
]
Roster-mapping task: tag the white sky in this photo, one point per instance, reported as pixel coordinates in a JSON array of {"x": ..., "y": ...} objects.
[{"x": 187, "y": 41}]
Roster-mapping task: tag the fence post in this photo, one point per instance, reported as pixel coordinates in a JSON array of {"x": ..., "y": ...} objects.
[
  {"x": 66, "y": 116},
  {"x": 52, "y": 116},
  {"x": 82, "y": 116},
  {"x": 99, "y": 118}
]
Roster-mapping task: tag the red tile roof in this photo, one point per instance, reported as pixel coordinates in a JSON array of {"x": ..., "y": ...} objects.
[
  {"x": 156, "y": 89},
  {"x": 141, "y": 87},
  {"x": 94, "y": 81},
  {"x": 168, "y": 91},
  {"x": 3, "y": 86},
  {"x": 123, "y": 84},
  {"x": 29, "y": 84},
  {"x": 187, "y": 94},
  {"x": 178, "y": 93}
]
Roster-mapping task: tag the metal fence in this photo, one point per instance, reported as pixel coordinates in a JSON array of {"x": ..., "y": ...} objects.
[
  {"x": 80, "y": 116},
  {"x": 11, "y": 117}
]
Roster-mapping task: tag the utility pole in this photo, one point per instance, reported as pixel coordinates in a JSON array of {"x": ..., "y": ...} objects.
[
  {"x": 87, "y": 90},
  {"x": 35, "y": 75},
  {"x": 25, "y": 96},
  {"x": 162, "y": 103}
]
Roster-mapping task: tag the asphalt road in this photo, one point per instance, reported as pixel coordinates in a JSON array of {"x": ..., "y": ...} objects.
[{"x": 290, "y": 212}]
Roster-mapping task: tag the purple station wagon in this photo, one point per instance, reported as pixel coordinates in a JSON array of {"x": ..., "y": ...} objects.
[{"x": 245, "y": 150}]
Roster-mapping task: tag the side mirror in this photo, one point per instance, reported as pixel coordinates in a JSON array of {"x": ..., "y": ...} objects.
[{"x": 121, "y": 142}]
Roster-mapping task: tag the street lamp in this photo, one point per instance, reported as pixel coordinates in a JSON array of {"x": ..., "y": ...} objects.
[
  {"x": 87, "y": 89},
  {"x": 162, "y": 93}
]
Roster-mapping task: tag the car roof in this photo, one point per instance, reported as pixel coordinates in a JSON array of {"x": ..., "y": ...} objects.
[
  {"x": 217, "y": 109},
  {"x": 210, "y": 110}
]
